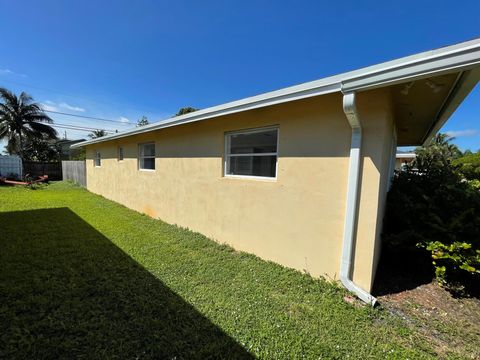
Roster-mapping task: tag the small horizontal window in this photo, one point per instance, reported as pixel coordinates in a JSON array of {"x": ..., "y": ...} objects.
[
  {"x": 98, "y": 159},
  {"x": 120, "y": 153},
  {"x": 146, "y": 156},
  {"x": 252, "y": 153}
]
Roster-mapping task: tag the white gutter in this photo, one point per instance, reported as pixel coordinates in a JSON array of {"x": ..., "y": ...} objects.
[
  {"x": 460, "y": 57},
  {"x": 352, "y": 201},
  {"x": 465, "y": 83}
]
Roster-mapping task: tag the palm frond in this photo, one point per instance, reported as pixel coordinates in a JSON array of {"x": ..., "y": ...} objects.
[
  {"x": 8, "y": 96},
  {"x": 25, "y": 99},
  {"x": 42, "y": 129},
  {"x": 43, "y": 118}
]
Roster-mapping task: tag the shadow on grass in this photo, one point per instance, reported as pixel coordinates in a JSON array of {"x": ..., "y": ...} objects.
[{"x": 66, "y": 291}]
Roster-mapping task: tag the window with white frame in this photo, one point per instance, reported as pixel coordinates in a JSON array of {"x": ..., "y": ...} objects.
[
  {"x": 120, "y": 153},
  {"x": 252, "y": 153},
  {"x": 98, "y": 159},
  {"x": 146, "y": 156}
]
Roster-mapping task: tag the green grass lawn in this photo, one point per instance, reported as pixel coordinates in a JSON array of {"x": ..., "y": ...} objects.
[{"x": 83, "y": 277}]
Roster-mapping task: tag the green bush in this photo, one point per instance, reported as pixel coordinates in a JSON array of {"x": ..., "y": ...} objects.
[
  {"x": 469, "y": 165},
  {"x": 431, "y": 207}
]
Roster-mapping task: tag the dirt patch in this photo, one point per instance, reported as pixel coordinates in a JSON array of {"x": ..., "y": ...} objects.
[{"x": 451, "y": 324}]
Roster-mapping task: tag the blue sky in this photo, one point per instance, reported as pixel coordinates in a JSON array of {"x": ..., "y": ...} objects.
[{"x": 120, "y": 60}]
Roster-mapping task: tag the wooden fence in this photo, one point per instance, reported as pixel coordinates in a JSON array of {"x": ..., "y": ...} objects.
[
  {"x": 75, "y": 171},
  {"x": 35, "y": 169}
]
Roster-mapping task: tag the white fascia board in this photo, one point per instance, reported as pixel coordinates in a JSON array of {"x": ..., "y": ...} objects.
[
  {"x": 268, "y": 99},
  {"x": 462, "y": 88},
  {"x": 459, "y": 57},
  {"x": 436, "y": 62},
  {"x": 405, "y": 155}
]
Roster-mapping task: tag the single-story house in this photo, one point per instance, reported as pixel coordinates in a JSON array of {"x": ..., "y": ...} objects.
[
  {"x": 297, "y": 176},
  {"x": 66, "y": 151},
  {"x": 403, "y": 158}
]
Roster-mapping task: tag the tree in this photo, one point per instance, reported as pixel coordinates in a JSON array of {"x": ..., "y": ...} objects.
[
  {"x": 22, "y": 119},
  {"x": 185, "y": 110},
  {"x": 437, "y": 157},
  {"x": 469, "y": 165},
  {"x": 431, "y": 210},
  {"x": 97, "y": 133},
  {"x": 142, "y": 121},
  {"x": 41, "y": 149}
]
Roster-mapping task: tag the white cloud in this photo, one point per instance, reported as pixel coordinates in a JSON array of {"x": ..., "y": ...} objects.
[
  {"x": 462, "y": 133},
  {"x": 123, "y": 119},
  {"x": 51, "y": 106},
  {"x": 70, "y": 107},
  {"x": 10, "y": 72}
]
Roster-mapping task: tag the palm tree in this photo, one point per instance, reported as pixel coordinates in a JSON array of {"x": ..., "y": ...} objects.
[
  {"x": 21, "y": 118},
  {"x": 97, "y": 133}
]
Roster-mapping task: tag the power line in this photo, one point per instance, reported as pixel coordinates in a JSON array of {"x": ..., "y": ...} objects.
[
  {"x": 70, "y": 95},
  {"x": 89, "y": 117},
  {"x": 80, "y": 128}
]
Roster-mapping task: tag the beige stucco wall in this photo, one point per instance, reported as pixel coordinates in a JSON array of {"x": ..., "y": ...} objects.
[
  {"x": 296, "y": 220},
  {"x": 375, "y": 111}
]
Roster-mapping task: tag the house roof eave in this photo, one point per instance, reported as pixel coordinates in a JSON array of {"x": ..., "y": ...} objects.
[{"x": 462, "y": 57}]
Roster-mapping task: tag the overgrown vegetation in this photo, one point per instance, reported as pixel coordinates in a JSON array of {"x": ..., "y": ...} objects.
[
  {"x": 469, "y": 165},
  {"x": 434, "y": 206},
  {"x": 83, "y": 277}
]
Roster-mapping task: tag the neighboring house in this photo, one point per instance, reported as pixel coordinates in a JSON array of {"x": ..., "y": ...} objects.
[
  {"x": 66, "y": 152},
  {"x": 403, "y": 159},
  {"x": 298, "y": 176}
]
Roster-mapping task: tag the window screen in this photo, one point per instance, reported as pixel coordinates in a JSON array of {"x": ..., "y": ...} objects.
[
  {"x": 252, "y": 153},
  {"x": 98, "y": 158},
  {"x": 146, "y": 159}
]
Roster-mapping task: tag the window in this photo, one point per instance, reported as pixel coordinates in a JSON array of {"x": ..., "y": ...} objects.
[
  {"x": 120, "y": 153},
  {"x": 98, "y": 159},
  {"x": 251, "y": 153},
  {"x": 146, "y": 156}
]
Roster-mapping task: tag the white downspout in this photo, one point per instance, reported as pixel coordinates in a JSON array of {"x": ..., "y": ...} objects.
[{"x": 352, "y": 200}]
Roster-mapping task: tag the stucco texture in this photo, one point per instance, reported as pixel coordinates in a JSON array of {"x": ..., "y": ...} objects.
[{"x": 297, "y": 219}]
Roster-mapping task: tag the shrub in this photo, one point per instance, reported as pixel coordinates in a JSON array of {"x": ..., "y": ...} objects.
[
  {"x": 469, "y": 165},
  {"x": 431, "y": 207}
]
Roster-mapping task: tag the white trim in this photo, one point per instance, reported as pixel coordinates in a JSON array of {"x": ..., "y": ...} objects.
[
  {"x": 405, "y": 156},
  {"x": 252, "y": 130},
  {"x": 251, "y": 177},
  {"x": 351, "y": 211},
  {"x": 227, "y": 154},
  {"x": 465, "y": 83},
  {"x": 456, "y": 58},
  {"x": 140, "y": 157}
]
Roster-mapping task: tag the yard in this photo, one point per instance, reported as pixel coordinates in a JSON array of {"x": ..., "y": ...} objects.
[{"x": 83, "y": 277}]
